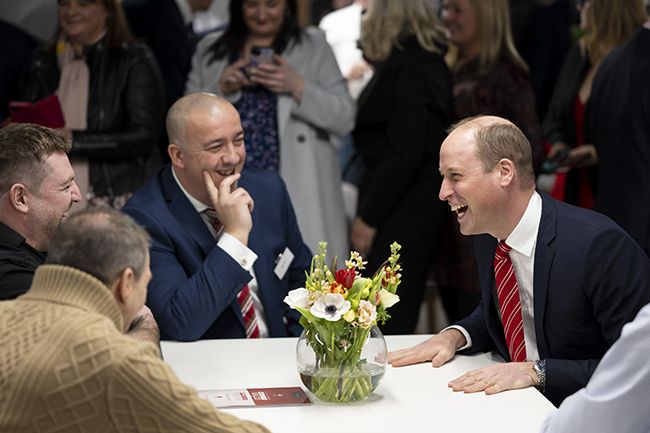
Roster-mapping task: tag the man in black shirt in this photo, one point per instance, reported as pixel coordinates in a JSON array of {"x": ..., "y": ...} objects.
[
  {"x": 18, "y": 261},
  {"x": 37, "y": 189}
]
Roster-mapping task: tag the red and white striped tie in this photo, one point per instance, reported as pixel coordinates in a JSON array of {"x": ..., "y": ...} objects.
[
  {"x": 244, "y": 296},
  {"x": 509, "y": 303},
  {"x": 248, "y": 311}
]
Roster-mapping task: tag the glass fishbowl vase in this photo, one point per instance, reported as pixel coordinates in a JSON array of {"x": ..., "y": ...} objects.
[{"x": 341, "y": 366}]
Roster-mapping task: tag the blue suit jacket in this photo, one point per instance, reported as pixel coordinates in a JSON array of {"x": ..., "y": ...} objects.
[
  {"x": 590, "y": 278},
  {"x": 192, "y": 293}
]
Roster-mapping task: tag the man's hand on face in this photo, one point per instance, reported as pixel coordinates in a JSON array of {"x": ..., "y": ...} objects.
[
  {"x": 233, "y": 206},
  {"x": 438, "y": 349},
  {"x": 496, "y": 378}
]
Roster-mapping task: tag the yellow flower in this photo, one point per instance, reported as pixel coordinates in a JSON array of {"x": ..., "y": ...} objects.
[{"x": 349, "y": 316}]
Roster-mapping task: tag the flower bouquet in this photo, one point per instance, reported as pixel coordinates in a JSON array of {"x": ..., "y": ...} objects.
[{"x": 341, "y": 353}]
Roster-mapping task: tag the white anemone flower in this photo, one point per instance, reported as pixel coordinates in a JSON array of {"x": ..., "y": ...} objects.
[
  {"x": 330, "y": 307},
  {"x": 297, "y": 298},
  {"x": 366, "y": 314}
]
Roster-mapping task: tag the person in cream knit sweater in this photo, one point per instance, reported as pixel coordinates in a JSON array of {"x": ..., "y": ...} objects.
[{"x": 65, "y": 363}]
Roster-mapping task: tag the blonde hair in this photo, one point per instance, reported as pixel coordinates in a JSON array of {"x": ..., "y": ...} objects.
[
  {"x": 495, "y": 33},
  {"x": 387, "y": 22},
  {"x": 609, "y": 24}
]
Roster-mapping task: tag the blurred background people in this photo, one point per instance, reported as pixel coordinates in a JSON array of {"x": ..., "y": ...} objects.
[
  {"x": 111, "y": 95},
  {"x": 166, "y": 26},
  {"x": 342, "y": 28},
  {"x": 490, "y": 77},
  {"x": 293, "y": 107},
  {"x": 15, "y": 46},
  {"x": 401, "y": 121},
  {"x": 619, "y": 121},
  {"x": 543, "y": 31},
  {"x": 35, "y": 17},
  {"x": 606, "y": 25}
]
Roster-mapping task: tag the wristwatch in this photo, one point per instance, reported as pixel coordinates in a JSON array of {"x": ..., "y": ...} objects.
[{"x": 540, "y": 370}]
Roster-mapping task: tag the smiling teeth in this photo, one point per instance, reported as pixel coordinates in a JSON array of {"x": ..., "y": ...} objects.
[{"x": 459, "y": 208}]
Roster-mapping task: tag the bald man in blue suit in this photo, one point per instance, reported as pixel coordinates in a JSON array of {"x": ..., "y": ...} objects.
[{"x": 198, "y": 269}]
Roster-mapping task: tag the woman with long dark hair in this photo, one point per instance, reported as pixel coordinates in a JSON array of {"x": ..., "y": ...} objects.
[{"x": 293, "y": 103}]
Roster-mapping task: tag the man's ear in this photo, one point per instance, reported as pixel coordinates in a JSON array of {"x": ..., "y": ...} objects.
[
  {"x": 176, "y": 155},
  {"x": 123, "y": 285},
  {"x": 19, "y": 197},
  {"x": 507, "y": 171}
]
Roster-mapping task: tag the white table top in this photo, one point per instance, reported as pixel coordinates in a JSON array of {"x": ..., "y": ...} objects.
[{"x": 408, "y": 399}]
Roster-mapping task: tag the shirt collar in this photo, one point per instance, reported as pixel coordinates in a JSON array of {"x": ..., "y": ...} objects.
[
  {"x": 524, "y": 236},
  {"x": 196, "y": 204}
]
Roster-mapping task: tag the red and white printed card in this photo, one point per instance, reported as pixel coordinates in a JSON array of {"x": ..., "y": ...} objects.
[{"x": 247, "y": 397}]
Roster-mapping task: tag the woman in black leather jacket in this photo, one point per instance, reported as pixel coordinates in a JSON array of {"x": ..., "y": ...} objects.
[{"x": 124, "y": 95}]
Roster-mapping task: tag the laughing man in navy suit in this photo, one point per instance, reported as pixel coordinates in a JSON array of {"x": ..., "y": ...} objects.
[
  {"x": 580, "y": 276},
  {"x": 199, "y": 267}
]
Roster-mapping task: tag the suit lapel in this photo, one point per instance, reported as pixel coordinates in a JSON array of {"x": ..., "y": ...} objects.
[
  {"x": 186, "y": 216},
  {"x": 544, "y": 255}
]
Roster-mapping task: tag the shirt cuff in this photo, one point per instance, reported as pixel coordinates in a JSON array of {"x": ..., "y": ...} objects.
[
  {"x": 238, "y": 251},
  {"x": 462, "y": 331}
]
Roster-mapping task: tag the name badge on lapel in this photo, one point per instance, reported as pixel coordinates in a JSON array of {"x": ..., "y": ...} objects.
[{"x": 282, "y": 263}]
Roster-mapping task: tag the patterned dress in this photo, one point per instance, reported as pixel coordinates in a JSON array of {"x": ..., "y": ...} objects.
[{"x": 258, "y": 111}]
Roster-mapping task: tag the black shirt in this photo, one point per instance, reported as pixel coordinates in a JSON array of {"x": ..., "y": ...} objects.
[{"x": 18, "y": 262}]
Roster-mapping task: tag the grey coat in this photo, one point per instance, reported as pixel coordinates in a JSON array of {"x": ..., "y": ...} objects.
[{"x": 308, "y": 134}]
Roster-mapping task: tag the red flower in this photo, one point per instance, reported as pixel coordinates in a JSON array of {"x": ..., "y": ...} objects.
[{"x": 345, "y": 277}]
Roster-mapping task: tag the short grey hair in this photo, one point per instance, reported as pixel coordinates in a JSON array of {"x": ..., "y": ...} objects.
[
  {"x": 102, "y": 242},
  {"x": 496, "y": 138}
]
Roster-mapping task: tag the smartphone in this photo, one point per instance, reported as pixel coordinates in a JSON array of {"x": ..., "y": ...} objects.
[
  {"x": 261, "y": 55},
  {"x": 551, "y": 165}
]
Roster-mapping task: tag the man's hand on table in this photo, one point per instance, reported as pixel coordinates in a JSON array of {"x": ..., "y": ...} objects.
[
  {"x": 438, "y": 349},
  {"x": 496, "y": 378}
]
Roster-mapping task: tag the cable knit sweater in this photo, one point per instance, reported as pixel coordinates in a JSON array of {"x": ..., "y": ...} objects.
[{"x": 66, "y": 366}]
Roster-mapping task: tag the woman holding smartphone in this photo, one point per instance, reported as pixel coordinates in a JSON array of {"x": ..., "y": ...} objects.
[{"x": 293, "y": 106}]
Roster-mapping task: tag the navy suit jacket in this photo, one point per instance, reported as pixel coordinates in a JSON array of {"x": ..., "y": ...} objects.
[
  {"x": 590, "y": 278},
  {"x": 193, "y": 289}
]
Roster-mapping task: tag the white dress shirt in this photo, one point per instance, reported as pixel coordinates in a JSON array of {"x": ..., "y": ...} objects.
[
  {"x": 342, "y": 29},
  {"x": 523, "y": 240},
  {"x": 615, "y": 399},
  {"x": 239, "y": 252}
]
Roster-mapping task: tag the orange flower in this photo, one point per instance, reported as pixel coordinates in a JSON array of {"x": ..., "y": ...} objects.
[{"x": 337, "y": 288}]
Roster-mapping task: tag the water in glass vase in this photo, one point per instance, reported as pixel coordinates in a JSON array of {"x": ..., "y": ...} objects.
[{"x": 344, "y": 383}]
